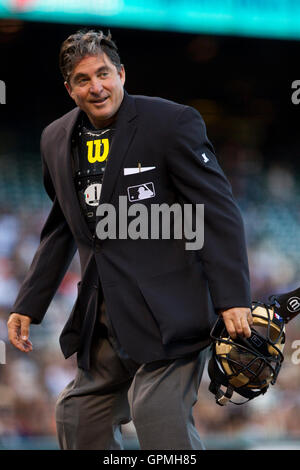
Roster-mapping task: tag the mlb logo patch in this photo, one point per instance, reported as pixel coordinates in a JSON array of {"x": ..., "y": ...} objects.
[{"x": 140, "y": 191}]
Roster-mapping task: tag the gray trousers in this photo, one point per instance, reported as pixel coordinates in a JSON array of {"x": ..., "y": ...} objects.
[{"x": 157, "y": 396}]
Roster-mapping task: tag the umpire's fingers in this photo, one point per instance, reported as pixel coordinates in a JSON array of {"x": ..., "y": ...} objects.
[
  {"x": 237, "y": 321},
  {"x": 246, "y": 330},
  {"x": 229, "y": 325},
  {"x": 18, "y": 326},
  {"x": 250, "y": 318}
]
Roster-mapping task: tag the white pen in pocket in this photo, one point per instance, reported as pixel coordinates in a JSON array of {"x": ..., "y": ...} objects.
[{"x": 138, "y": 169}]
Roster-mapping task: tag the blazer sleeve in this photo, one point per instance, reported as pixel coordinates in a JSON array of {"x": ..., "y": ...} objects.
[
  {"x": 50, "y": 262},
  {"x": 199, "y": 179}
]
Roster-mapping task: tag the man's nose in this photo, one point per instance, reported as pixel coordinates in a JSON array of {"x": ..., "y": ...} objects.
[{"x": 96, "y": 87}]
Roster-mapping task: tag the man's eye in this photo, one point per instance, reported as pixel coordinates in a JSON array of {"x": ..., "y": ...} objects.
[{"x": 104, "y": 74}]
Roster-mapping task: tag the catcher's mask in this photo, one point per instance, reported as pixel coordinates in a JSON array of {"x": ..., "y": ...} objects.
[{"x": 247, "y": 366}]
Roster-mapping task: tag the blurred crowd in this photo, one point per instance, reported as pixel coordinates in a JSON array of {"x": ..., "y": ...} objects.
[{"x": 268, "y": 196}]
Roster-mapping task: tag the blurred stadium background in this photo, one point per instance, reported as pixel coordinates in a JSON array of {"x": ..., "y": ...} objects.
[{"x": 239, "y": 75}]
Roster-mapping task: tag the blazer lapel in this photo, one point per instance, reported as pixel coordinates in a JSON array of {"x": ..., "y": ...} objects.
[
  {"x": 67, "y": 174},
  {"x": 125, "y": 126},
  {"x": 125, "y": 131}
]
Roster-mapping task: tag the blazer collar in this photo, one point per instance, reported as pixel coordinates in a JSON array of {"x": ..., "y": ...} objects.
[
  {"x": 125, "y": 127},
  {"x": 125, "y": 113}
]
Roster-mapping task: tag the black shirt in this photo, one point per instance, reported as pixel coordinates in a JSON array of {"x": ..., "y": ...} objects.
[{"x": 91, "y": 151}]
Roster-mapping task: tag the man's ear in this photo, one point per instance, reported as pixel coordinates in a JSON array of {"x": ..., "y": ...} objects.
[
  {"x": 69, "y": 89},
  {"x": 122, "y": 74}
]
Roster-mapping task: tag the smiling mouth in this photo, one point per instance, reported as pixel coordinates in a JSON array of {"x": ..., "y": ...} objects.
[{"x": 99, "y": 101}]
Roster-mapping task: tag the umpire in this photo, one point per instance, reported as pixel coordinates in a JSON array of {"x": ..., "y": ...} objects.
[{"x": 145, "y": 306}]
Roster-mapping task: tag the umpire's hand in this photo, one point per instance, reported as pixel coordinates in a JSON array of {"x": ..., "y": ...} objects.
[
  {"x": 18, "y": 331},
  {"x": 237, "y": 321}
]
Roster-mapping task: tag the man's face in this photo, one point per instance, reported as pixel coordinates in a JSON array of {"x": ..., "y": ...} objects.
[{"x": 96, "y": 86}]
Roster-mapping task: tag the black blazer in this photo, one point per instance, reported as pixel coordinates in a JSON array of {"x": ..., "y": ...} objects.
[{"x": 161, "y": 299}]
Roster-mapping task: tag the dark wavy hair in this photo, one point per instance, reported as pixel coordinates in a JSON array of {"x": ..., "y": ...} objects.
[{"x": 86, "y": 43}]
